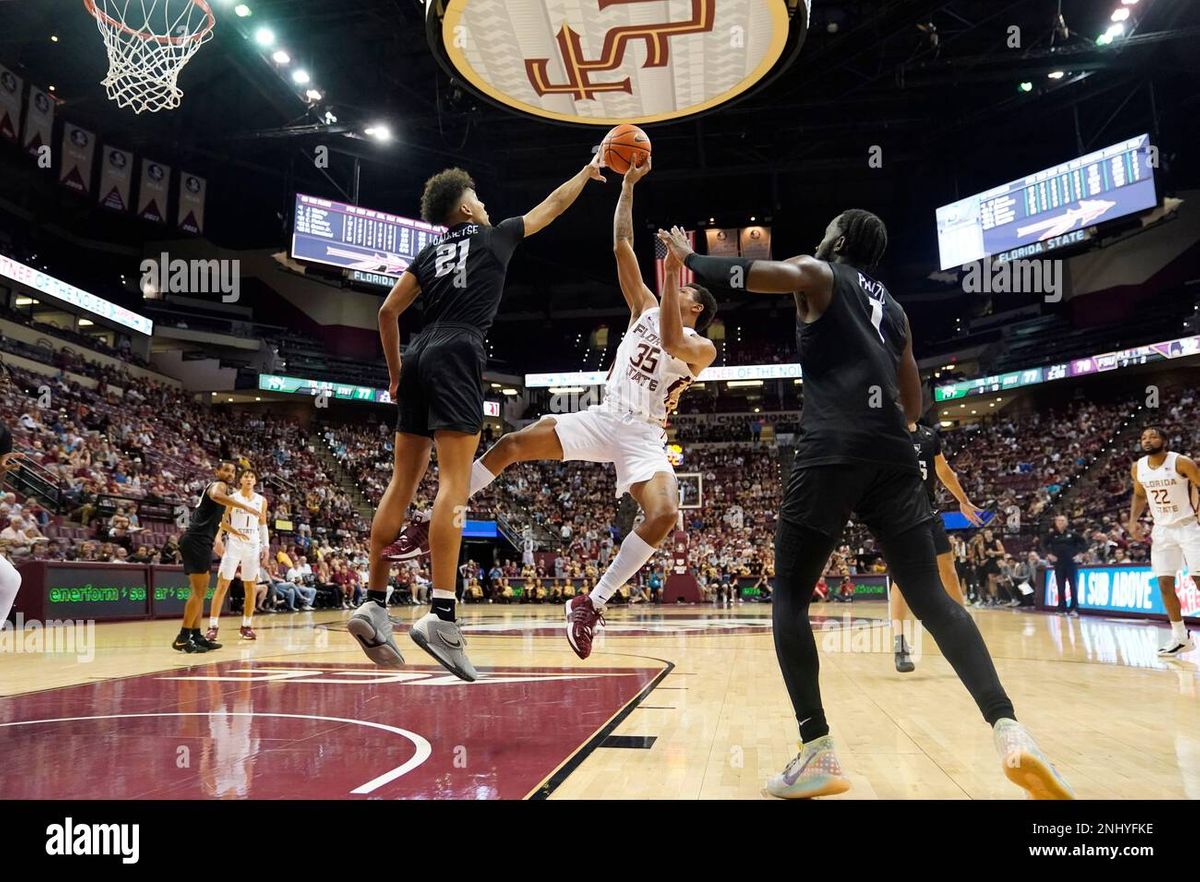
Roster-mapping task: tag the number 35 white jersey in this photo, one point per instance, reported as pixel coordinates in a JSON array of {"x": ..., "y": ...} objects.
[
  {"x": 645, "y": 380},
  {"x": 1167, "y": 492}
]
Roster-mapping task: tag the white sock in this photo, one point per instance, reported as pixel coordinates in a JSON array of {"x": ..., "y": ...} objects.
[
  {"x": 387, "y": 598},
  {"x": 1179, "y": 631},
  {"x": 246, "y": 621},
  {"x": 214, "y": 621},
  {"x": 442, "y": 594},
  {"x": 10, "y": 583},
  {"x": 480, "y": 477},
  {"x": 634, "y": 553}
]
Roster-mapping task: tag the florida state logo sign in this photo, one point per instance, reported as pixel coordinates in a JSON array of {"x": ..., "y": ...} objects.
[{"x": 603, "y": 62}]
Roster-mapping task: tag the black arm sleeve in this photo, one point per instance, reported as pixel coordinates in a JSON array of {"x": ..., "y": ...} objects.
[
  {"x": 5, "y": 440},
  {"x": 718, "y": 271}
]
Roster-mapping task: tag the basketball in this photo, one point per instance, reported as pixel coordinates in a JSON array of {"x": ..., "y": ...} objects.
[{"x": 624, "y": 146}]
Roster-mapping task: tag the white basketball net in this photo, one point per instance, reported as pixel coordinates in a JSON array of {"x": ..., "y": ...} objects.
[{"x": 148, "y": 44}]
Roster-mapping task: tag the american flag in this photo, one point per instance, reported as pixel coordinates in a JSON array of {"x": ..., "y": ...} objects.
[{"x": 660, "y": 261}]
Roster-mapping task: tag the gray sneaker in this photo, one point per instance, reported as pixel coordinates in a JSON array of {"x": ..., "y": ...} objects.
[
  {"x": 372, "y": 628},
  {"x": 445, "y": 642}
]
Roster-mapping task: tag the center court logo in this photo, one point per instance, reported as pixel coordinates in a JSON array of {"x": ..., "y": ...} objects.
[{"x": 70, "y": 839}]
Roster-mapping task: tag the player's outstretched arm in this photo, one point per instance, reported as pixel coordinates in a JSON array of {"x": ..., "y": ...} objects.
[
  {"x": 803, "y": 277},
  {"x": 637, "y": 295},
  {"x": 400, "y": 298},
  {"x": 562, "y": 198},
  {"x": 1136, "y": 506},
  {"x": 696, "y": 351},
  {"x": 219, "y": 494}
]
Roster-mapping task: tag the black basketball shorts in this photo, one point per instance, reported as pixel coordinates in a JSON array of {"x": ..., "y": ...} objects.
[
  {"x": 888, "y": 500},
  {"x": 196, "y": 553},
  {"x": 441, "y": 381}
]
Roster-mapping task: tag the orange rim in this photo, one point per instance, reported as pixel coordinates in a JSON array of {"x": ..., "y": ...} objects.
[{"x": 102, "y": 16}]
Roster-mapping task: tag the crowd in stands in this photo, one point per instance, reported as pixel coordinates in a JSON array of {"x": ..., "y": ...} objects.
[{"x": 113, "y": 449}]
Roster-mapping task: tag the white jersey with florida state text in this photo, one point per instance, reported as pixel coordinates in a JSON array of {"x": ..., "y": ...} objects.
[
  {"x": 245, "y": 522},
  {"x": 645, "y": 380},
  {"x": 1167, "y": 491}
]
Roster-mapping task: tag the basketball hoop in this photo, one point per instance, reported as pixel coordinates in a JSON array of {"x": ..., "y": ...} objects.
[{"x": 148, "y": 44}]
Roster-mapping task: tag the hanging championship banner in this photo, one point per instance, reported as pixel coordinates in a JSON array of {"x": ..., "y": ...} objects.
[
  {"x": 152, "y": 193},
  {"x": 192, "y": 193},
  {"x": 10, "y": 103},
  {"x": 116, "y": 179},
  {"x": 756, "y": 243},
  {"x": 722, "y": 243},
  {"x": 39, "y": 120},
  {"x": 79, "y": 147}
]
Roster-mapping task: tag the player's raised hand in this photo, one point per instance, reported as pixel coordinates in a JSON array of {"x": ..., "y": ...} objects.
[
  {"x": 593, "y": 168},
  {"x": 971, "y": 513},
  {"x": 637, "y": 172},
  {"x": 677, "y": 242}
]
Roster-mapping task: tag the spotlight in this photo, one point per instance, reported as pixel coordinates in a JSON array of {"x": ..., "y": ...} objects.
[
  {"x": 301, "y": 77},
  {"x": 281, "y": 57},
  {"x": 242, "y": 10},
  {"x": 264, "y": 37},
  {"x": 379, "y": 131},
  {"x": 1121, "y": 14}
]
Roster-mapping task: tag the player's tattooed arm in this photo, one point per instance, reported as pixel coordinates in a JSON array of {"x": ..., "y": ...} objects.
[
  {"x": 562, "y": 198},
  {"x": 698, "y": 352},
  {"x": 638, "y": 297},
  {"x": 399, "y": 299},
  {"x": 1136, "y": 507}
]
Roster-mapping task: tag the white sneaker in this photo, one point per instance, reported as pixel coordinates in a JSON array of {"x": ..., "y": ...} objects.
[{"x": 1174, "y": 647}]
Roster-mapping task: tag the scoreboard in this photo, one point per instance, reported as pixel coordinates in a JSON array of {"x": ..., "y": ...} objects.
[
  {"x": 1184, "y": 347},
  {"x": 1050, "y": 209},
  {"x": 359, "y": 239}
]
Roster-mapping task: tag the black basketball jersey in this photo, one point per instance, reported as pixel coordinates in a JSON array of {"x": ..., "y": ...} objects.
[
  {"x": 206, "y": 518},
  {"x": 927, "y": 444},
  {"x": 462, "y": 273},
  {"x": 850, "y": 360}
]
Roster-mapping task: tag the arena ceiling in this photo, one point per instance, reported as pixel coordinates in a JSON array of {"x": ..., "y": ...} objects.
[{"x": 935, "y": 85}]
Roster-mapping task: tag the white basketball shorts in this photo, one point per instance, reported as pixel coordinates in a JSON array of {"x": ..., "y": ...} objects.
[{"x": 636, "y": 448}]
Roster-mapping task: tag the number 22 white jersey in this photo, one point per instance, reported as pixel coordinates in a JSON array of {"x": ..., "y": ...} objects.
[
  {"x": 1167, "y": 491},
  {"x": 645, "y": 380}
]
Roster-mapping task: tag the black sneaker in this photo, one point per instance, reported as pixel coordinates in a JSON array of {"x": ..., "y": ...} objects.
[
  {"x": 904, "y": 662},
  {"x": 187, "y": 645},
  {"x": 204, "y": 643}
]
